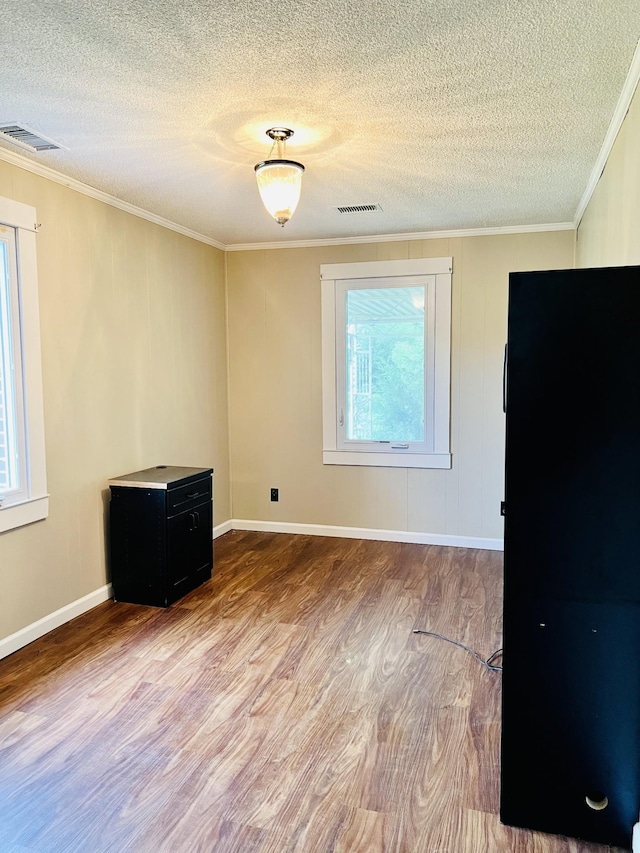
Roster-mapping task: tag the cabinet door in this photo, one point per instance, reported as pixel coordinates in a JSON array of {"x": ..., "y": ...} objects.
[
  {"x": 570, "y": 732},
  {"x": 572, "y": 525},
  {"x": 189, "y": 550}
]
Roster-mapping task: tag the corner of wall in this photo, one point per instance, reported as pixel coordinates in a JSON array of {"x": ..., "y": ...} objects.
[{"x": 228, "y": 370}]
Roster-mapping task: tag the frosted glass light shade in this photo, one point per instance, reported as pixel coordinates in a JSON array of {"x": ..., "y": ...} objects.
[{"x": 279, "y": 183}]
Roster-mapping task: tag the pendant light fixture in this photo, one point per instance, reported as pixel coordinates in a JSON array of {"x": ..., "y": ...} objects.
[{"x": 279, "y": 180}]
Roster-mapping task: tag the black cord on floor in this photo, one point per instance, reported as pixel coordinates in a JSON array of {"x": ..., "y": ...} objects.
[{"x": 487, "y": 664}]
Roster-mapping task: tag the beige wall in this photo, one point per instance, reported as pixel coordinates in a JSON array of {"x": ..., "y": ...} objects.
[
  {"x": 609, "y": 234},
  {"x": 275, "y": 389},
  {"x": 134, "y": 339},
  {"x": 134, "y": 369}
]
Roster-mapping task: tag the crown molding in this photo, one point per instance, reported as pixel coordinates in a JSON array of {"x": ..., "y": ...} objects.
[
  {"x": 619, "y": 115},
  {"x": 395, "y": 238},
  {"x": 29, "y": 165},
  {"x": 73, "y": 184}
]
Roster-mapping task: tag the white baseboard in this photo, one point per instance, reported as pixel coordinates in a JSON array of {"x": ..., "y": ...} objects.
[
  {"x": 221, "y": 529},
  {"x": 32, "y": 632},
  {"x": 365, "y": 533}
]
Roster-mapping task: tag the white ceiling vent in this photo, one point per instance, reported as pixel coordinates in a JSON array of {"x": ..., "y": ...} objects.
[
  {"x": 359, "y": 208},
  {"x": 26, "y": 138}
]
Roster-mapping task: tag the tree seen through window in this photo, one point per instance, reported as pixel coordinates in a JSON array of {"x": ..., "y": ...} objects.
[{"x": 385, "y": 364}]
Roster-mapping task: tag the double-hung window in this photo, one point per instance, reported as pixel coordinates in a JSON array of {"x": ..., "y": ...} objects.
[
  {"x": 23, "y": 490},
  {"x": 386, "y": 330}
]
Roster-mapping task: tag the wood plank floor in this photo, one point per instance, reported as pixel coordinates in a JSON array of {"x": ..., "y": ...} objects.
[{"x": 285, "y": 706}]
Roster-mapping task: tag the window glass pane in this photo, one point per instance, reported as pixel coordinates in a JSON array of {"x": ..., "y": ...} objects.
[
  {"x": 9, "y": 471},
  {"x": 385, "y": 364}
]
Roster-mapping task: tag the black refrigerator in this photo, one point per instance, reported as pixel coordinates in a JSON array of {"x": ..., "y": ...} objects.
[{"x": 570, "y": 759}]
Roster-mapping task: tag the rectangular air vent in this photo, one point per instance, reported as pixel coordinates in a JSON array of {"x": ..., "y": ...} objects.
[
  {"x": 358, "y": 208},
  {"x": 26, "y": 138}
]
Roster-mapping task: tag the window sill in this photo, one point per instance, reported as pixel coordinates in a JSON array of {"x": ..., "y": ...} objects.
[
  {"x": 386, "y": 459},
  {"x": 17, "y": 515}
]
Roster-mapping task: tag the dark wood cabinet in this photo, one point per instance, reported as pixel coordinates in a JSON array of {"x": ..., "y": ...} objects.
[
  {"x": 161, "y": 533},
  {"x": 571, "y": 682}
]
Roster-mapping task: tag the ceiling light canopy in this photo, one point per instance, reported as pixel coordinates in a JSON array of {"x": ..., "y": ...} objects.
[{"x": 279, "y": 180}]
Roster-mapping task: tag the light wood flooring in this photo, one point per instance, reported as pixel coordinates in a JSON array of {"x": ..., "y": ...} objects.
[{"x": 283, "y": 706}]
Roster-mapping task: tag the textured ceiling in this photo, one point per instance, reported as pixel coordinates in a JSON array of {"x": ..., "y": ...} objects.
[{"x": 448, "y": 113}]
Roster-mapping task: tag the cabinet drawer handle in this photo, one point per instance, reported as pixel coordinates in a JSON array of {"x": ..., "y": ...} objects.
[
  {"x": 193, "y": 494},
  {"x": 505, "y": 362}
]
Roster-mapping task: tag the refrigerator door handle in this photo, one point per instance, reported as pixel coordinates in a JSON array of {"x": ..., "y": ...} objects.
[{"x": 504, "y": 378}]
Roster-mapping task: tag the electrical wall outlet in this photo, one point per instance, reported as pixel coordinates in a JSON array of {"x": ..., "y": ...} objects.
[{"x": 274, "y": 494}]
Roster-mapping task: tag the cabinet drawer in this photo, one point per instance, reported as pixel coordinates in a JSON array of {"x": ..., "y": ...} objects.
[{"x": 178, "y": 500}]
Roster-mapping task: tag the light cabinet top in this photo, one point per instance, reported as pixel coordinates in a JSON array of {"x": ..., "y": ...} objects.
[{"x": 161, "y": 477}]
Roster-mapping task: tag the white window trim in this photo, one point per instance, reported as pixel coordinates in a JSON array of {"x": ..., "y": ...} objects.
[
  {"x": 440, "y": 456},
  {"x": 35, "y": 506}
]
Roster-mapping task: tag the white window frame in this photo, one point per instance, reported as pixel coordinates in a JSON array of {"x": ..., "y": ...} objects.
[
  {"x": 335, "y": 279},
  {"x": 32, "y": 503}
]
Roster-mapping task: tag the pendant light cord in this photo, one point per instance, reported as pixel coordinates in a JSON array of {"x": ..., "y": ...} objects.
[{"x": 280, "y": 143}]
